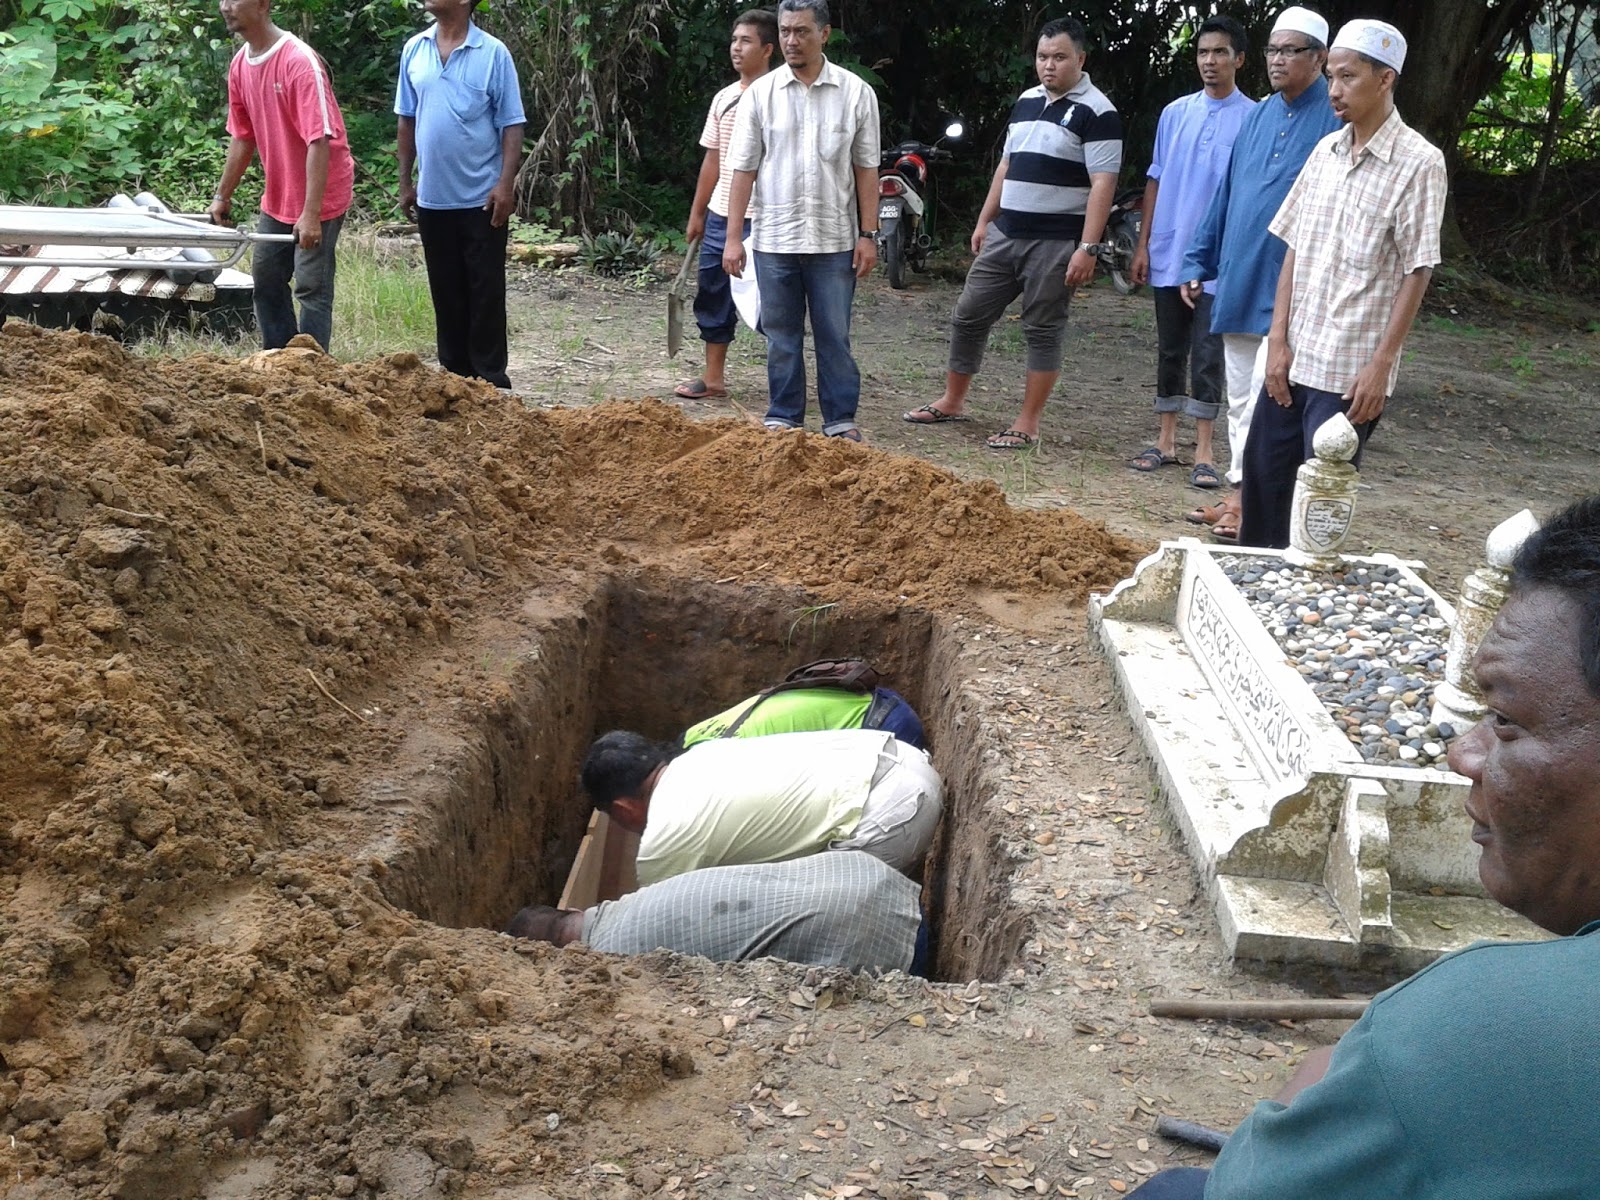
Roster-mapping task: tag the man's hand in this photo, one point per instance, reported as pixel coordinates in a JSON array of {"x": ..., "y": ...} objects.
[
  {"x": 1080, "y": 268},
  {"x": 1191, "y": 292},
  {"x": 220, "y": 211},
  {"x": 733, "y": 255},
  {"x": 1139, "y": 268},
  {"x": 500, "y": 204},
  {"x": 865, "y": 256},
  {"x": 408, "y": 199},
  {"x": 1369, "y": 393},
  {"x": 308, "y": 231},
  {"x": 1279, "y": 359},
  {"x": 978, "y": 235},
  {"x": 697, "y": 227}
]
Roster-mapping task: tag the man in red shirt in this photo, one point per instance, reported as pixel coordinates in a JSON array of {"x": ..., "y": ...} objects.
[{"x": 281, "y": 103}]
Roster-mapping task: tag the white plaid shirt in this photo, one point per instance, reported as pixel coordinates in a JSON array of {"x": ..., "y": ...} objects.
[
  {"x": 803, "y": 142},
  {"x": 1357, "y": 229},
  {"x": 839, "y": 908}
]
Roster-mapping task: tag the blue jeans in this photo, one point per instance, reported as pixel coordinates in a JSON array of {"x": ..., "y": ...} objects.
[
  {"x": 826, "y": 285},
  {"x": 713, "y": 301},
  {"x": 1180, "y": 1183},
  {"x": 891, "y": 713},
  {"x": 1279, "y": 441},
  {"x": 273, "y": 264}
]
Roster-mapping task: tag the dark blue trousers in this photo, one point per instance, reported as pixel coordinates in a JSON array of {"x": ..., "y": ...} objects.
[
  {"x": 1279, "y": 441},
  {"x": 1180, "y": 1183}
]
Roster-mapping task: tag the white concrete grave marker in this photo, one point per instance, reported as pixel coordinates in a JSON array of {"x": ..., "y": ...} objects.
[{"x": 1311, "y": 851}]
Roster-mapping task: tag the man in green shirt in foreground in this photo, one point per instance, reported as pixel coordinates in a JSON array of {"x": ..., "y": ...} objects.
[{"x": 1479, "y": 1077}]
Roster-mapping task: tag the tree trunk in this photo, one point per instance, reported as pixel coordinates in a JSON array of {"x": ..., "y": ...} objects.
[{"x": 1456, "y": 50}]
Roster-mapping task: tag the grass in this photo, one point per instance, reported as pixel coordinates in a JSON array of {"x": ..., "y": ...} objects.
[{"x": 381, "y": 306}]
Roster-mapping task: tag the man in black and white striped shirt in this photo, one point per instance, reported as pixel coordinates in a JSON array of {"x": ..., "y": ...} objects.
[
  {"x": 1039, "y": 232},
  {"x": 840, "y": 908}
]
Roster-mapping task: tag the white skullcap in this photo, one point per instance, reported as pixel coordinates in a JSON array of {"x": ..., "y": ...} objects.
[
  {"x": 1375, "y": 39},
  {"x": 1302, "y": 20}
]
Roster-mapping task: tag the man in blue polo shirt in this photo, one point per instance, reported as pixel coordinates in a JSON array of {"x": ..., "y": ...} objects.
[
  {"x": 1475, "y": 1079},
  {"x": 461, "y": 120},
  {"x": 1232, "y": 249},
  {"x": 1194, "y": 139},
  {"x": 1038, "y": 233}
]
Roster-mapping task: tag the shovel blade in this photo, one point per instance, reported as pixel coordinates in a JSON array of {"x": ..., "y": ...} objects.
[{"x": 674, "y": 325}]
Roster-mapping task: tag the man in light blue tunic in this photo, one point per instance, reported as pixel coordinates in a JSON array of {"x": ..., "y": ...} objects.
[
  {"x": 1479, "y": 1077},
  {"x": 1194, "y": 141},
  {"x": 460, "y": 122},
  {"x": 1231, "y": 249}
]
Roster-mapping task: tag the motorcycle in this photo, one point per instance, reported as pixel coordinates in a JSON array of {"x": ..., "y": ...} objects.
[
  {"x": 902, "y": 206},
  {"x": 1121, "y": 239}
]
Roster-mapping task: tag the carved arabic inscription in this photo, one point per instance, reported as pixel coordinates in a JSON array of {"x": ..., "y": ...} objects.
[{"x": 1240, "y": 678}]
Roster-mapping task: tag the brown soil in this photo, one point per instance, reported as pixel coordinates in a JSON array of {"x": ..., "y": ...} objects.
[{"x": 239, "y": 600}]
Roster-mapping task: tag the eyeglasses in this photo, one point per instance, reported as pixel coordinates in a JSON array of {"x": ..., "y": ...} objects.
[{"x": 1287, "y": 51}]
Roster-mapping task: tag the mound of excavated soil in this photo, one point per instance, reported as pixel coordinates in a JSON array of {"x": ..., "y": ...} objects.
[{"x": 183, "y": 985}]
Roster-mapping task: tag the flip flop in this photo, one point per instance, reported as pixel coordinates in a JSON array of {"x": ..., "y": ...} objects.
[
  {"x": 1227, "y": 534},
  {"x": 849, "y": 435},
  {"x": 1205, "y": 477},
  {"x": 696, "y": 389},
  {"x": 934, "y": 416},
  {"x": 1012, "y": 439},
  {"x": 1151, "y": 459},
  {"x": 1210, "y": 514}
]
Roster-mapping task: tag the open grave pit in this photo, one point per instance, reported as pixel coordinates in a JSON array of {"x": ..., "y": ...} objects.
[{"x": 480, "y": 812}]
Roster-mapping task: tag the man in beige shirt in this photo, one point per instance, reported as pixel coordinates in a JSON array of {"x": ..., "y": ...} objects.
[
  {"x": 805, "y": 144},
  {"x": 1362, "y": 228}
]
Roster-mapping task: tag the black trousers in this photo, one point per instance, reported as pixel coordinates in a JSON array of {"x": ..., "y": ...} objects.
[
  {"x": 466, "y": 259},
  {"x": 1279, "y": 441},
  {"x": 1189, "y": 369}
]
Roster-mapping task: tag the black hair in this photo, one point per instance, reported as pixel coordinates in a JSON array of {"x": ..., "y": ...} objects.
[
  {"x": 537, "y": 923},
  {"x": 1564, "y": 554},
  {"x": 1376, "y": 65},
  {"x": 618, "y": 764},
  {"x": 817, "y": 8},
  {"x": 1238, "y": 39},
  {"x": 763, "y": 20},
  {"x": 1070, "y": 26}
]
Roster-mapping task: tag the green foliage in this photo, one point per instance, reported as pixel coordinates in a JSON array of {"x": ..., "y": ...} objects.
[
  {"x": 1509, "y": 126},
  {"x": 615, "y": 255},
  {"x": 579, "y": 62}
]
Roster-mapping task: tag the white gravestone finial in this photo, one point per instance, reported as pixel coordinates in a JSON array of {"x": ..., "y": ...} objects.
[
  {"x": 1325, "y": 495},
  {"x": 1457, "y": 701}
]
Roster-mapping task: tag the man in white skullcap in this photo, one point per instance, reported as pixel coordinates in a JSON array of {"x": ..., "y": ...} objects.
[
  {"x": 1231, "y": 245},
  {"x": 1361, "y": 227}
]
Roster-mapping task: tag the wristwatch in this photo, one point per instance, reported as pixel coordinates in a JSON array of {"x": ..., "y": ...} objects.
[
  {"x": 869, "y": 233},
  {"x": 1092, "y": 249}
]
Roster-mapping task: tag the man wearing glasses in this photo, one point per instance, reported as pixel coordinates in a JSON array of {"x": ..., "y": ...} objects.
[
  {"x": 1232, "y": 245},
  {"x": 805, "y": 144}
]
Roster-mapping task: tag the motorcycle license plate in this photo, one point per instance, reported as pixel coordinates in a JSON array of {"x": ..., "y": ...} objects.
[{"x": 885, "y": 211}]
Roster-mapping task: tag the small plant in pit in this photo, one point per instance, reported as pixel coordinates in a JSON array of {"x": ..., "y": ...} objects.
[
  {"x": 816, "y": 614},
  {"x": 616, "y": 255}
]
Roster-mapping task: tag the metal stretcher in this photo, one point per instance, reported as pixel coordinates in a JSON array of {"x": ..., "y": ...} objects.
[
  {"x": 136, "y": 265},
  {"x": 150, "y": 240}
]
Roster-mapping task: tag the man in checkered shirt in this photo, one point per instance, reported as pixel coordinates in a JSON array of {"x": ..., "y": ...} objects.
[
  {"x": 840, "y": 908},
  {"x": 1362, "y": 228}
]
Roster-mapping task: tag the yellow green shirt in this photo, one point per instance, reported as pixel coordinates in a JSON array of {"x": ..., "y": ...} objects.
[{"x": 799, "y": 711}]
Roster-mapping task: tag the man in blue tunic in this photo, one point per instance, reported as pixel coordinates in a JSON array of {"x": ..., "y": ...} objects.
[
  {"x": 1231, "y": 245},
  {"x": 1194, "y": 140},
  {"x": 1475, "y": 1079}
]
